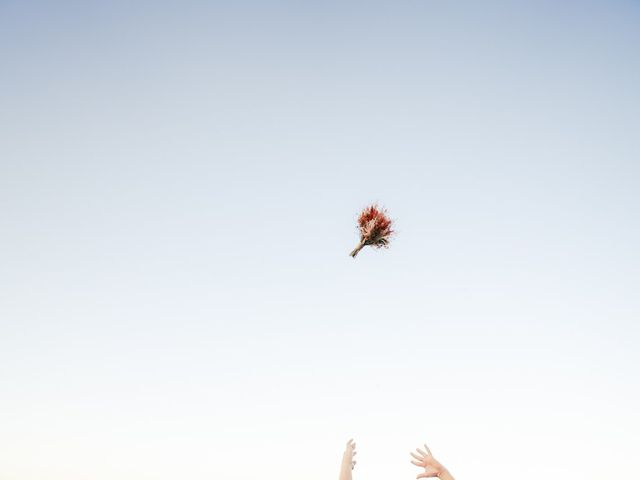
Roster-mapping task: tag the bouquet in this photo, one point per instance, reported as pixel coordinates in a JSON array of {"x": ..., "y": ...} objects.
[{"x": 375, "y": 228}]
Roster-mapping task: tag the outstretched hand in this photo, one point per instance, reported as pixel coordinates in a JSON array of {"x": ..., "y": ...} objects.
[
  {"x": 349, "y": 453},
  {"x": 432, "y": 467},
  {"x": 348, "y": 463}
]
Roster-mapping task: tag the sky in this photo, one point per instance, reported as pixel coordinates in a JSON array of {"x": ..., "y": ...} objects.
[{"x": 179, "y": 183}]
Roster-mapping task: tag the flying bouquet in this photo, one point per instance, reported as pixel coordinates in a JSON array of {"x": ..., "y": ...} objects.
[{"x": 375, "y": 228}]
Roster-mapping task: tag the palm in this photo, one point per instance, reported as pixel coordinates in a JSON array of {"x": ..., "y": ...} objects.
[{"x": 424, "y": 459}]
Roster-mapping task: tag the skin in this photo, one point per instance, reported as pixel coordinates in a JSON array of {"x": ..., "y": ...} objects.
[
  {"x": 432, "y": 467},
  {"x": 348, "y": 463},
  {"x": 421, "y": 458}
]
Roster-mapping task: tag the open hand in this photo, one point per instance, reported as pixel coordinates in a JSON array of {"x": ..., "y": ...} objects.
[
  {"x": 349, "y": 453},
  {"x": 432, "y": 467}
]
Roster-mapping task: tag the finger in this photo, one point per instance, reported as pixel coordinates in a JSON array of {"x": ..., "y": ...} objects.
[
  {"x": 427, "y": 448},
  {"x": 427, "y": 475},
  {"x": 417, "y": 464},
  {"x": 424, "y": 454},
  {"x": 417, "y": 457},
  {"x": 350, "y": 442}
]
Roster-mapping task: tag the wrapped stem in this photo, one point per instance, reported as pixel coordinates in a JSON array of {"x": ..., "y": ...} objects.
[{"x": 355, "y": 251}]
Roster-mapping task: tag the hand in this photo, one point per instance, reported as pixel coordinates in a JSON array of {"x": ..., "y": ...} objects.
[
  {"x": 349, "y": 453},
  {"x": 432, "y": 467}
]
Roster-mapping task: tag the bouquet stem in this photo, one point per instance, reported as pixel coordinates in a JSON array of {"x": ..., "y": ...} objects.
[{"x": 357, "y": 249}]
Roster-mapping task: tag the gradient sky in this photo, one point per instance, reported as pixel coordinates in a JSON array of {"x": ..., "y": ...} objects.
[{"x": 178, "y": 191}]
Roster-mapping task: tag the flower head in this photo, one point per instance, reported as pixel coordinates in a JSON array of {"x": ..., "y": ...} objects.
[{"x": 375, "y": 226}]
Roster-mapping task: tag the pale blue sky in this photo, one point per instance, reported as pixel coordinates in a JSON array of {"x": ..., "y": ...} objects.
[{"x": 178, "y": 192}]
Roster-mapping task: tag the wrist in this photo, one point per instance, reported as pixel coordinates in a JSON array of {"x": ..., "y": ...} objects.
[{"x": 445, "y": 475}]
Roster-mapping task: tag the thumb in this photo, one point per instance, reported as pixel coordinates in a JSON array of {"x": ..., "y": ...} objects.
[{"x": 427, "y": 475}]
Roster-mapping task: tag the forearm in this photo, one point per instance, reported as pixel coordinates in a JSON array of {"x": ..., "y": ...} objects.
[{"x": 345, "y": 470}]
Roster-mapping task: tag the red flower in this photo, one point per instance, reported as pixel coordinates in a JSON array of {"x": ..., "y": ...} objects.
[{"x": 375, "y": 228}]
